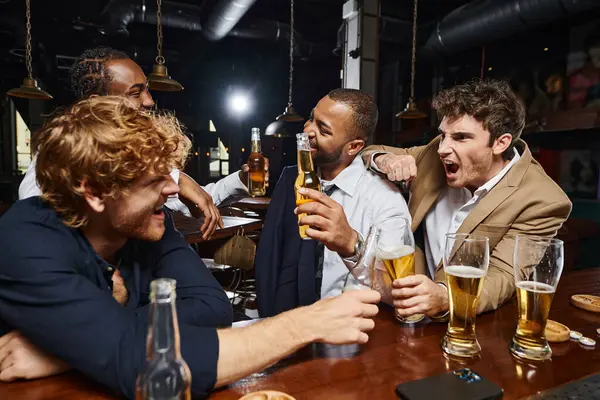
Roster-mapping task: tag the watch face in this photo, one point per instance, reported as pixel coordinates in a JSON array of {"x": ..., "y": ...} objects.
[{"x": 358, "y": 246}]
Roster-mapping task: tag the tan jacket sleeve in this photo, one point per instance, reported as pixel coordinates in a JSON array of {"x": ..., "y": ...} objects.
[
  {"x": 499, "y": 284},
  {"x": 369, "y": 151}
]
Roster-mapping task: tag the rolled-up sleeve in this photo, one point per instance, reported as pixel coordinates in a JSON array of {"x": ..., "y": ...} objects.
[{"x": 227, "y": 190}]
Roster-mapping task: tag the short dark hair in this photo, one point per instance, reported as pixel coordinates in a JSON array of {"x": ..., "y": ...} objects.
[
  {"x": 364, "y": 110},
  {"x": 491, "y": 102},
  {"x": 89, "y": 74}
]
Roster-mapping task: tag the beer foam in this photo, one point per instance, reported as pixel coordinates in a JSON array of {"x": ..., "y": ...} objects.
[
  {"x": 536, "y": 287},
  {"x": 391, "y": 253},
  {"x": 464, "y": 271}
]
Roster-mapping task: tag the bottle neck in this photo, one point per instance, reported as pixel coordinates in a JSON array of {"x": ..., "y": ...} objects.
[
  {"x": 305, "y": 161},
  {"x": 163, "y": 332},
  {"x": 255, "y": 146}
]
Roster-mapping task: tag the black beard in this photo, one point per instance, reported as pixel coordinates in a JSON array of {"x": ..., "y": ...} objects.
[{"x": 321, "y": 158}]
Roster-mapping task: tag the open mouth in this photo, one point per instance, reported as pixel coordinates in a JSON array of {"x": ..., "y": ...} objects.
[{"x": 450, "y": 166}]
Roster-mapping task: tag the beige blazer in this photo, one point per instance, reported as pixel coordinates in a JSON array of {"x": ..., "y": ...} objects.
[{"x": 525, "y": 202}]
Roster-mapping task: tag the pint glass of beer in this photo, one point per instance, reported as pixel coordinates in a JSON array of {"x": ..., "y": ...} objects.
[
  {"x": 538, "y": 264},
  {"x": 466, "y": 259},
  {"x": 396, "y": 251}
]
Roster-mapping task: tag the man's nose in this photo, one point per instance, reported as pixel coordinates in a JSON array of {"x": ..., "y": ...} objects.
[
  {"x": 148, "y": 101},
  {"x": 171, "y": 188},
  {"x": 444, "y": 148}
]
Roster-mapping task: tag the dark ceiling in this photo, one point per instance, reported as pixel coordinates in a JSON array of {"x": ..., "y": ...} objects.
[{"x": 62, "y": 29}]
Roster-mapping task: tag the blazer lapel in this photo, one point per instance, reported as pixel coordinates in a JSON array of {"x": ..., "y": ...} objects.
[
  {"x": 499, "y": 193},
  {"x": 485, "y": 207}
]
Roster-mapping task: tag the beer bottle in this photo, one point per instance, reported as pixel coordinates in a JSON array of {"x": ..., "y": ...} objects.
[
  {"x": 256, "y": 164},
  {"x": 307, "y": 177},
  {"x": 165, "y": 376}
]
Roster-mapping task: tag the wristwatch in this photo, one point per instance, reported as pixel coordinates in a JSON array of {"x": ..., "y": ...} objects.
[{"x": 358, "y": 248}]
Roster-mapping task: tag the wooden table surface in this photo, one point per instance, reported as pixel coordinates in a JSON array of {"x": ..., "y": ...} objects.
[
  {"x": 190, "y": 227},
  {"x": 253, "y": 203},
  {"x": 395, "y": 354}
]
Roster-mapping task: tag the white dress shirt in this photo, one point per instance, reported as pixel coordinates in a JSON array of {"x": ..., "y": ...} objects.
[
  {"x": 367, "y": 200},
  {"x": 224, "y": 191},
  {"x": 452, "y": 207}
]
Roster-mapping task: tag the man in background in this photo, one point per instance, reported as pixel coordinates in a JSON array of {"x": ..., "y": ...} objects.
[{"x": 103, "y": 71}]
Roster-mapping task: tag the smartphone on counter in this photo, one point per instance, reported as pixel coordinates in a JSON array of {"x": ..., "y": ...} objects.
[{"x": 462, "y": 384}]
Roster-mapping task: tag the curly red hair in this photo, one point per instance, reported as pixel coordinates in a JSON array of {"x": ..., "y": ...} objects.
[{"x": 107, "y": 144}]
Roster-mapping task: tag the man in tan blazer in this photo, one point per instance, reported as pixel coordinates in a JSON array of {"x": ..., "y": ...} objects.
[{"x": 476, "y": 177}]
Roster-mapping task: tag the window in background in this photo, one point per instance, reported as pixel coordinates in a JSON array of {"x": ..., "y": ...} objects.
[{"x": 23, "y": 144}]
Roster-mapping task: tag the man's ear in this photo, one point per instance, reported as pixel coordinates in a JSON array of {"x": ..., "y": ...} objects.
[
  {"x": 502, "y": 143},
  {"x": 355, "y": 146},
  {"x": 96, "y": 203}
]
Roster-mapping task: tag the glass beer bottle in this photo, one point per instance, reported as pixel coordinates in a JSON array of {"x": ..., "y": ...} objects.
[
  {"x": 256, "y": 164},
  {"x": 166, "y": 376},
  {"x": 307, "y": 176}
]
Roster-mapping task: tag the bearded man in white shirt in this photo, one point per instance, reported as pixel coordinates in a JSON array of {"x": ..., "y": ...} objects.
[
  {"x": 291, "y": 272},
  {"x": 104, "y": 71},
  {"x": 476, "y": 177}
]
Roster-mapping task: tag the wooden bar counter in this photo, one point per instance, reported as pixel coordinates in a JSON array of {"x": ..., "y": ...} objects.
[{"x": 395, "y": 354}]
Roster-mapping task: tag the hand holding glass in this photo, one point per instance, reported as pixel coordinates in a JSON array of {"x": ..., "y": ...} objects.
[{"x": 397, "y": 253}]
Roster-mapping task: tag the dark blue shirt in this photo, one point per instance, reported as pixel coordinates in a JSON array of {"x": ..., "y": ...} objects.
[{"x": 55, "y": 289}]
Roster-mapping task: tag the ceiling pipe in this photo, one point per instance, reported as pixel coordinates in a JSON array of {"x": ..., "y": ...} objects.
[
  {"x": 482, "y": 21},
  {"x": 119, "y": 14},
  {"x": 225, "y": 15}
]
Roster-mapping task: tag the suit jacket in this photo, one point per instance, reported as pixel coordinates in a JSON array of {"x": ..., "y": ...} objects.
[
  {"x": 285, "y": 264},
  {"x": 526, "y": 201}
]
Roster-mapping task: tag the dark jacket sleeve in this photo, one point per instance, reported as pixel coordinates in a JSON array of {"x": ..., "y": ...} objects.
[
  {"x": 201, "y": 300},
  {"x": 43, "y": 295},
  {"x": 269, "y": 252}
]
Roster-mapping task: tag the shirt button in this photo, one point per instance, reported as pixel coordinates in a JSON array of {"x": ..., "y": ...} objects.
[{"x": 110, "y": 269}]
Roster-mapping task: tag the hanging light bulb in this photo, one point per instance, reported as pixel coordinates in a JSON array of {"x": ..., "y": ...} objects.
[
  {"x": 29, "y": 89},
  {"x": 289, "y": 122},
  {"x": 159, "y": 79},
  {"x": 411, "y": 111}
]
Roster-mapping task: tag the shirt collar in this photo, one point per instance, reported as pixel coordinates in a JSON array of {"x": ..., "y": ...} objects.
[
  {"x": 486, "y": 187},
  {"x": 101, "y": 262},
  {"x": 347, "y": 180}
]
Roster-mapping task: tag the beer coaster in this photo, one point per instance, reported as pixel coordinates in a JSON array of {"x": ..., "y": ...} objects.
[
  {"x": 586, "y": 341},
  {"x": 267, "y": 395},
  {"x": 556, "y": 332},
  {"x": 413, "y": 319},
  {"x": 586, "y": 302},
  {"x": 576, "y": 335}
]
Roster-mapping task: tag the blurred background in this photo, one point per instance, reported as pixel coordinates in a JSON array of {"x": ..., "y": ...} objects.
[{"x": 233, "y": 59}]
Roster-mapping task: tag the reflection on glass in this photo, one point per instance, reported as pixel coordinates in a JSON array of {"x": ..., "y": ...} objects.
[
  {"x": 538, "y": 264},
  {"x": 466, "y": 260},
  {"x": 362, "y": 274},
  {"x": 397, "y": 254}
]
